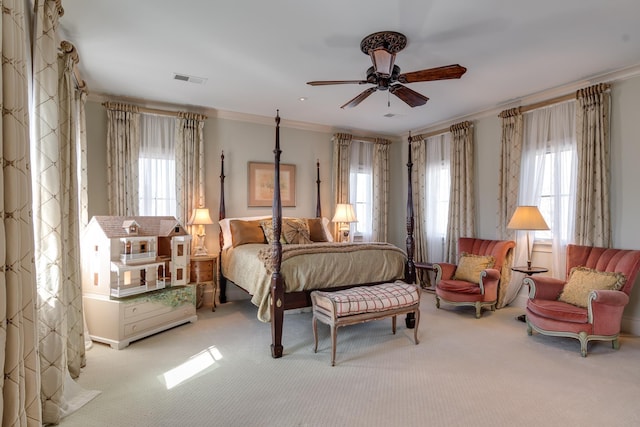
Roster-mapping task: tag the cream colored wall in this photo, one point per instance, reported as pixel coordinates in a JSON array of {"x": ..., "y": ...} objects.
[
  {"x": 625, "y": 177},
  {"x": 241, "y": 142}
]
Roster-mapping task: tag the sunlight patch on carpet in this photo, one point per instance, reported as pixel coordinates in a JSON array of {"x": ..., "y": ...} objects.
[{"x": 195, "y": 366}]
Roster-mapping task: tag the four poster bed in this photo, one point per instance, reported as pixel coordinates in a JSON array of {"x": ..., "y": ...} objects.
[{"x": 281, "y": 277}]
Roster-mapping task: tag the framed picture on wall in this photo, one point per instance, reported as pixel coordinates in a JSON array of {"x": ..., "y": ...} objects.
[{"x": 261, "y": 184}]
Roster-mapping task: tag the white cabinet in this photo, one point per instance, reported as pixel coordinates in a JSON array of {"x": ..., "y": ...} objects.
[{"x": 118, "y": 322}]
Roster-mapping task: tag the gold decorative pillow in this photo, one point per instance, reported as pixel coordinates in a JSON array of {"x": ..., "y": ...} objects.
[
  {"x": 583, "y": 280},
  {"x": 470, "y": 266},
  {"x": 267, "y": 228},
  {"x": 243, "y": 232},
  {"x": 316, "y": 230},
  {"x": 295, "y": 231}
]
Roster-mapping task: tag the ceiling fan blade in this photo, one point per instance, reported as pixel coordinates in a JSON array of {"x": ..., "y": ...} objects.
[
  {"x": 336, "y": 82},
  {"x": 411, "y": 97},
  {"x": 439, "y": 73},
  {"x": 358, "y": 99}
]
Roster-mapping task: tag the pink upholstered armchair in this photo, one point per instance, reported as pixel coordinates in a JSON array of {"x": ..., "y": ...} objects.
[
  {"x": 475, "y": 279},
  {"x": 572, "y": 308}
]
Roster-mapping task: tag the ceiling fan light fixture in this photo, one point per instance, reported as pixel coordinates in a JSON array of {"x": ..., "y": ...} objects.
[{"x": 382, "y": 60}]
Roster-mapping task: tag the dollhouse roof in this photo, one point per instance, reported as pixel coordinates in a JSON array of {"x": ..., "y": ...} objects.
[{"x": 114, "y": 226}]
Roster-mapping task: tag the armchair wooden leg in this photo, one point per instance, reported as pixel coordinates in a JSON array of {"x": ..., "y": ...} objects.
[
  {"x": 437, "y": 302},
  {"x": 615, "y": 344},
  {"x": 582, "y": 336},
  {"x": 478, "y": 310}
]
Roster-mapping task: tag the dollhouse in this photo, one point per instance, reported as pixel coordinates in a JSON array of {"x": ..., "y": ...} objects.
[{"x": 135, "y": 277}]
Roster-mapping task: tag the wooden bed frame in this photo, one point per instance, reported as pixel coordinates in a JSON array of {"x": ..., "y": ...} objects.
[{"x": 281, "y": 300}]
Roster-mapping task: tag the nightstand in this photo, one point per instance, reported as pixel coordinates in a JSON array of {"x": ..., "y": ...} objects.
[{"x": 204, "y": 272}]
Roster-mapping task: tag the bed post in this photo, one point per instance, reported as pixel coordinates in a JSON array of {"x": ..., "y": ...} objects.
[
  {"x": 222, "y": 281},
  {"x": 277, "y": 286},
  {"x": 410, "y": 268},
  {"x": 318, "y": 209}
]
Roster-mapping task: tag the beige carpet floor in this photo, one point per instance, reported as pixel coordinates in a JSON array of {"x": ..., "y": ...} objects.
[{"x": 487, "y": 372}]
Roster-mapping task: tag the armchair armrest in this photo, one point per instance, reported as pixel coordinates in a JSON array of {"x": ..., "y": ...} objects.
[
  {"x": 543, "y": 287},
  {"x": 605, "y": 310},
  {"x": 489, "y": 279},
  {"x": 444, "y": 270}
]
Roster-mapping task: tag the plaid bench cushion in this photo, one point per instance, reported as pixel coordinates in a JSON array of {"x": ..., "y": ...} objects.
[{"x": 369, "y": 299}]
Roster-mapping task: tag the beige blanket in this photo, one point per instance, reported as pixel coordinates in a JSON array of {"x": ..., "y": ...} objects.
[{"x": 314, "y": 266}]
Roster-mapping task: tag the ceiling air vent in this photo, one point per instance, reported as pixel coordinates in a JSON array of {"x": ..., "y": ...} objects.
[{"x": 190, "y": 79}]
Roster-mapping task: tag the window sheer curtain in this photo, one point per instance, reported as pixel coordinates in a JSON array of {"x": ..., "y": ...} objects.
[
  {"x": 157, "y": 160},
  {"x": 550, "y": 133},
  {"x": 461, "y": 222},
  {"x": 593, "y": 216},
  {"x": 20, "y": 398},
  {"x": 123, "y": 149}
]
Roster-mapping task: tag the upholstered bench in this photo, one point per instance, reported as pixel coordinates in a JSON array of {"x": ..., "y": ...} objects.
[{"x": 362, "y": 304}]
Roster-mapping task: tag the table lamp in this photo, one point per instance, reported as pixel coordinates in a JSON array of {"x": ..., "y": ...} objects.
[
  {"x": 344, "y": 216},
  {"x": 200, "y": 217},
  {"x": 527, "y": 218}
]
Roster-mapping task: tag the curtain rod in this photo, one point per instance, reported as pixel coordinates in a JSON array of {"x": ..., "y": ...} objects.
[
  {"x": 159, "y": 112},
  {"x": 523, "y": 109}
]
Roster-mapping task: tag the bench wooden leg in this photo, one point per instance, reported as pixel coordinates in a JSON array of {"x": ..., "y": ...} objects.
[
  {"x": 334, "y": 333},
  {"x": 315, "y": 334},
  {"x": 415, "y": 329}
]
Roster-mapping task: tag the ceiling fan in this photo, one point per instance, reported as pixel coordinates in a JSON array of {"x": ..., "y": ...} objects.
[{"x": 385, "y": 75}]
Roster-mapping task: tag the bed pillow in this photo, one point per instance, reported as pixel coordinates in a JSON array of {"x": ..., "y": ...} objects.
[
  {"x": 470, "y": 266},
  {"x": 316, "y": 230},
  {"x": 267, "y": 228},
  {"x": 295, "y": 231},
  {"x": 226, "y": 229},
  {"x": 583, "y": 280},
  {"x": 244, "y": 232}
]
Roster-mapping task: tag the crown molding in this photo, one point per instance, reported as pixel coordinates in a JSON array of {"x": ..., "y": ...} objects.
[{"x": 609, "y": 77}]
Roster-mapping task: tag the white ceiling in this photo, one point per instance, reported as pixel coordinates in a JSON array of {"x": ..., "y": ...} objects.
[{"x": 257, "y": 55}]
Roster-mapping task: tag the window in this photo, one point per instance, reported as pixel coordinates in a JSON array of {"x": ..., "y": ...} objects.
[
  {"x": 555, "y": 194},
  {"x": 361, "y": 188},
  {"x": 437, "y": 185},
  {"x": 157, "y": 166}
]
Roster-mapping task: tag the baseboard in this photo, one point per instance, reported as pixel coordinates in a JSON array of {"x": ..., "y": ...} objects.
[{"x": 630, "y": 325}]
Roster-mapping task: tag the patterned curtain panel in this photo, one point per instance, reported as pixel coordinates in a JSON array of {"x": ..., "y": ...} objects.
[
  {"x": 512, "y": 124},
  {"x": 341, "y": 163},
  {"x": 56, "y": 213},
  {"x": 419, "y": 192},
  {"x": 380, "y": 189},
  {"x": 189, "y": 165},
  {"x": 593, "y": 218},
  {"x": 20, "y": 398},
  {"x": 461, "y": 202},
  {"x": 509, "y": 186},
  {"x": 123, "y": 149}
]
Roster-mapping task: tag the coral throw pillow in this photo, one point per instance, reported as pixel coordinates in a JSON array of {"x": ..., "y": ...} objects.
[
  {"x": 470, "y": 266},
  {"x": 583, "y": 280}
]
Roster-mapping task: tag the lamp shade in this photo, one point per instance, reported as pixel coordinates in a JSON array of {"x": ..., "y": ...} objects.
[
  {"x": 344, "y": 213},
  {"x": 200, "y": 216},
  {"x": 527, "y": 218},
  {"x": 382, "y": 60}
]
